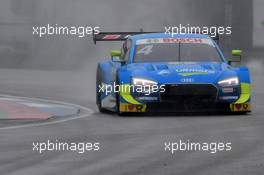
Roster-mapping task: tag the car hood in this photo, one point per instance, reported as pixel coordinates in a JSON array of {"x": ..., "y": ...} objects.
[{"x": 175, "y": 72}]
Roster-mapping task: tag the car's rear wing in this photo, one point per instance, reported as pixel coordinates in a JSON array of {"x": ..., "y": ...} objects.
[
  {"x": 122, "y": 36},
  {"x": 115, "y": 36}
]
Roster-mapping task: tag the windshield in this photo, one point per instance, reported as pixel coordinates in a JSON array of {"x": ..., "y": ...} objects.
[{"x": 176, "y": 50}]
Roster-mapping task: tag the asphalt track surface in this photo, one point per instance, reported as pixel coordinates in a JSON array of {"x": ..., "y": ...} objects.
[{"x": 128, "y": 145}]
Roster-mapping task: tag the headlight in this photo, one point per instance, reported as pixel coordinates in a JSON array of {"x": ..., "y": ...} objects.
[
  {"x": 229, "y": 82},
  {"x": 143, "y": 82}
]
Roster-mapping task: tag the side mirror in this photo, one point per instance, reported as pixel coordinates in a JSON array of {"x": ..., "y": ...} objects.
[
  {"x": 115, "y": 56},
  {"x": 115, "y": 53},
  {"x": 237, "y": 55}
]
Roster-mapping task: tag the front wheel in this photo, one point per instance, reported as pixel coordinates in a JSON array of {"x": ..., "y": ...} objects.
[
  {"x": 99, "y": 106},
  {"x": 98, "y": 97},
  {"x": 118, "y": 100}
]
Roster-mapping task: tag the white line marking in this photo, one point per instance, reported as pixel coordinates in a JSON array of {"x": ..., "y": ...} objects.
[{"x": 88, "y": 113}]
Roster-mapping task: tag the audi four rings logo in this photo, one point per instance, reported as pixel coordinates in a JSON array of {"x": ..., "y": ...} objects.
[{"x": 187, "y": 80}]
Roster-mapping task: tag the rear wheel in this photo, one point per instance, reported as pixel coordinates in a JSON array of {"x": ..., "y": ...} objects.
[{"x": 100, "y": 107}]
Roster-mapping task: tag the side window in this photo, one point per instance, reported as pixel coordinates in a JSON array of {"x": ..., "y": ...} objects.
[{"x": 125, "y": 50}]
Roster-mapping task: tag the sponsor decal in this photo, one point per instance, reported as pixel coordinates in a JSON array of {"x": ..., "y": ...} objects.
[
  {"x": 229, "y": 98},
  {"x": 147, "y": 98},
  {"x": 111, "y": 37},
  {"x": 182, "y": 40},
  {"x": 228, "y": 90},
  {"x": 132, "y": 108},
  {"x": 190, "y": 71},
  {"x": 240, "y": 107},
  {"x": 175, "y": 40}
]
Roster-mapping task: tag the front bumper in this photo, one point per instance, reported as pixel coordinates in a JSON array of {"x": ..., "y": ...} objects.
[{"x": 189, "y": 98}]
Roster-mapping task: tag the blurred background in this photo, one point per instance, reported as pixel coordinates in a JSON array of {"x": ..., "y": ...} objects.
[{"x": 20, "y": 49}]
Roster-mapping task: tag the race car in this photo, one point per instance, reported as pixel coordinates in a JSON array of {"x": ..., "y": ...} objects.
[{"x": 158, "y": 72}]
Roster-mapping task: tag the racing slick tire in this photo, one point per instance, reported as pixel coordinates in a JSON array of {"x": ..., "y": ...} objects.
[
  {"x": 118, "y": 100},
  {"x": 98, "y": 100}
]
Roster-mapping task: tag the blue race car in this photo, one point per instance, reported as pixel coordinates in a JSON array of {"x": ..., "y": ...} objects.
[{"x": 158, "y": 72}]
